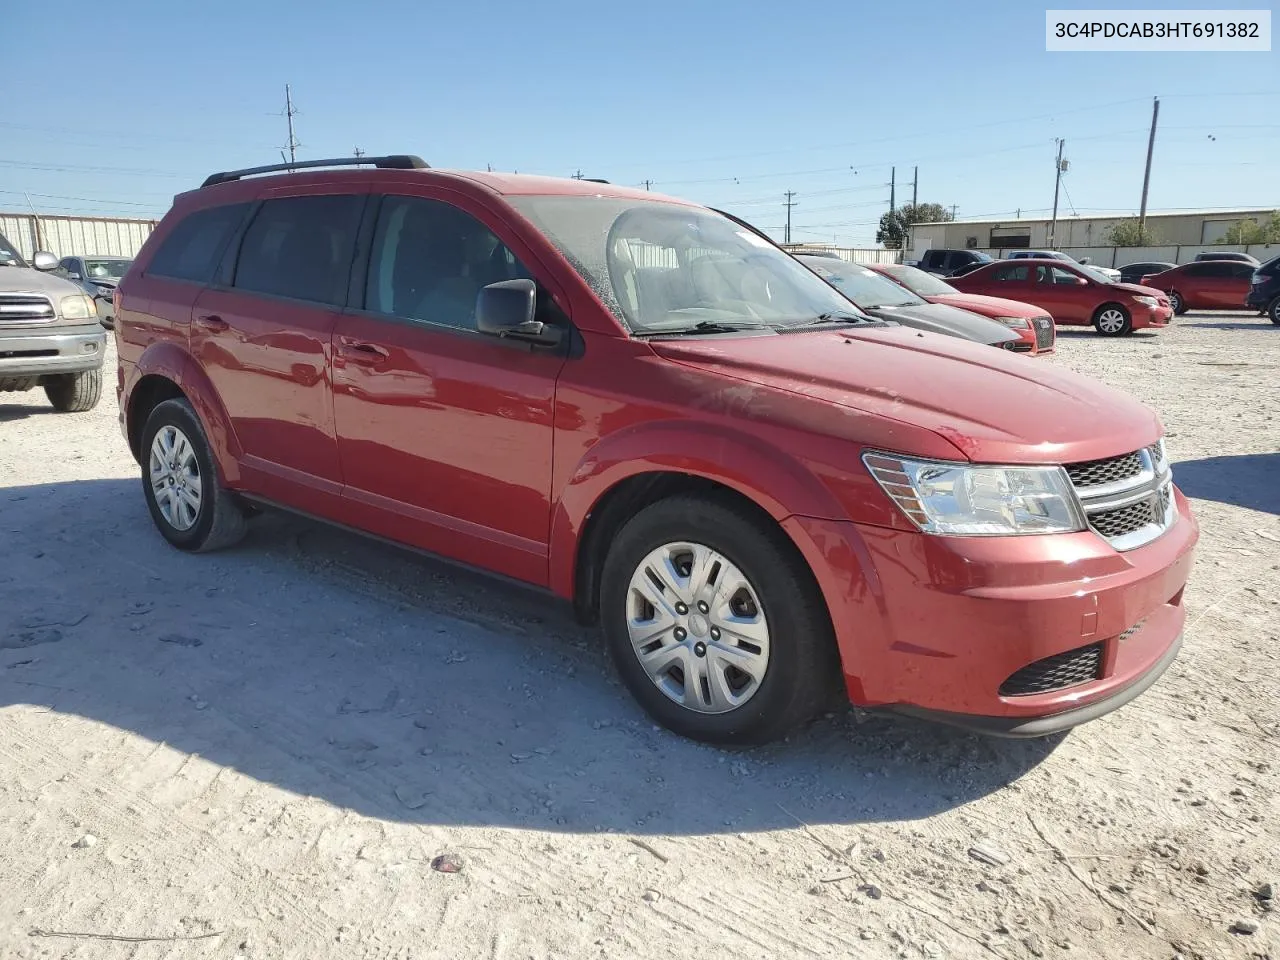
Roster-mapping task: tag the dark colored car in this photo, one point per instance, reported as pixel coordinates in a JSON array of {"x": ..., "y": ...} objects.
[
  {"x": 1264, "y": 291},
  {"x": 639, "y": 406},
  {"x": 1204, "y": 285},
  {"x": 950, "y": 263},
  {"x": 1134, "y": 272},
  {"x": 98, "y": 277},
  {"x": 1072, "y": 293},
  {"x": 1227, "y": 255},
  {"x": 1033, "y": 324},
  {"x": 882, "y": 298}
]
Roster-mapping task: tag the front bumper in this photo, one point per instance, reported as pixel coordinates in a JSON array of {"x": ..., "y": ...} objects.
[
  {"x": 1151, "y": 317},
  {"x": 936, "y": 626},
  {"x": 1260, "y": 297},
  {"x": 35, "y": 352}
]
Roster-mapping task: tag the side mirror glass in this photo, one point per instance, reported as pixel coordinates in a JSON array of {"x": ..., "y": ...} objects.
[
  {"x": 43, "y": 260},
  {"x": 72, "y": 275},
  {"x": 505, "y": 310}
]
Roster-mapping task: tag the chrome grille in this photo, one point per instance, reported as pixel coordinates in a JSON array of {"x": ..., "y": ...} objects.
[
  {"x": 1055, "y": 673},
  {"x": 25, "y": 308},
  {"x": 1093, "y": 473},
  {"x": 1043, "y": 326},
  {"x": 1128, "y": 500}
]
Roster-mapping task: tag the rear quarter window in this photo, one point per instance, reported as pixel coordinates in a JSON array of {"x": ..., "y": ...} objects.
[{"x": 193, "y": 248}]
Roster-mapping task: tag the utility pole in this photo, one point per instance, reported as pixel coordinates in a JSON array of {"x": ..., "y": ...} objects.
[
  {"x": 647, "y": 184},
  {"x": 915, "y": 182},
  {"x": 953, "y": 211},
  {"x": 1146, "y": 177},
  {"x": 789, "y": 204},
  {"x": 1057, "y": 184},
  {"x": 359, "y": 153},
  {"x": 289, "y": 113},
  {"x": 578, "y": 175},
  {"x": 893, "y": 180}
]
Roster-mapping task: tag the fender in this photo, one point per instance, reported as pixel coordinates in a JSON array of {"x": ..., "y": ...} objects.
[
  {"x": 763, "y": 473},
  {"x": 172, "y": 361}
]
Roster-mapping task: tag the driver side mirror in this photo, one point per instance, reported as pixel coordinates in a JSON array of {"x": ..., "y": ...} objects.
[
  {"x": 45, "y": 261},
  {"x": 1082, "y": 282},
  {"x": 505, "y": 310}
]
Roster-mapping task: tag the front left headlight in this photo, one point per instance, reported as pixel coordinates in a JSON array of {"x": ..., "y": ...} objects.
[
  {"x": 77, "y": 307},
  {"x": 1149, "y": 301},
  {"x": 961, "y": 500},
  {"x": 1018, "y": 323}
]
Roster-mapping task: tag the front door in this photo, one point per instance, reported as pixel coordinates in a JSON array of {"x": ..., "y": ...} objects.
[
  {"x": 444, "y": 433},
  {"x": 1061, "y": 292},
  {"x": 263, "y": 335}
]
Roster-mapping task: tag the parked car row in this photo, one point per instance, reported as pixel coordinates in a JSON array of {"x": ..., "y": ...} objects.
[{"x": 763, "y": 495}]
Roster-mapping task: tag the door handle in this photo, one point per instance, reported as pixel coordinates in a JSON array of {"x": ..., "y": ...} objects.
[
  {"x": 358, "y": 351},
  {"x": 212, "y": 322}
]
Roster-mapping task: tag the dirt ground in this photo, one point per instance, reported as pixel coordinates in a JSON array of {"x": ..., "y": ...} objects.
[{"x": 270, "y": 746}]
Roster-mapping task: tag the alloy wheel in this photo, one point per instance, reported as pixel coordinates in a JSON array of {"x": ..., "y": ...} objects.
[
  {"x": 1175, "y": 301},
  {"x": 697, "y": 627},
  {"x": 1111, "y": 320},
  {"x": 174, "y": 473}
]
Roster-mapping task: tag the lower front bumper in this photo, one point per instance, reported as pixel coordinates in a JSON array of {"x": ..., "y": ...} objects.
[
  {"x": 38, "y": 353},
  {"x": 1259, "y": 300},
  {"x": 1152, "y": 317}
]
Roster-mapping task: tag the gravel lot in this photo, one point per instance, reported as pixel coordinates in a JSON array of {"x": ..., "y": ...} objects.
[{"x": 271, "y": 745}]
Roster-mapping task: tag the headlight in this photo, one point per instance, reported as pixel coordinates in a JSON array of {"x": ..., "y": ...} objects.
[
  {"x": 77, "y": 307},
  {"x": 1018, "y": 323},
  {"x": 103, "y": 290},
  {"x": 1149, "y": 301},
  {"x": 962, "y": 500}
]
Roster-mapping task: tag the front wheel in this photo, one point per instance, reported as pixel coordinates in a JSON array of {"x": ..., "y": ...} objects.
[
  {"x": 1178, "y": 304},
  {"x": 1273, "y": 311},
  {"x": 715, "y": 622},
  {"x": 75, "y": 392},
  {"x": 1112, "y": 320},
  {"x": 189, "y": 508}
]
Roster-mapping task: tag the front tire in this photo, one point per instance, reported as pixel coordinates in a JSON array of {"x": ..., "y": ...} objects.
[
  {"x": 1112, "y": 320},
  {"x": 75, "y": 392},
  {"x": 1273, "y": 311},
  {"x": 1179, "y": 305},
  {"x": 715, "y": 622},
  {"x": 180, "y": 483}
]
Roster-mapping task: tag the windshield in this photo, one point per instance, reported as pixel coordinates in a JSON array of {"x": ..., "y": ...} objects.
[
  {"x": 918, "y": 282},
  {"x": 9, "y": 256},
  {"x": 1093, "y": 274},
  {"x": 662, "y": 267},
  {"x": 864, "y": 287},
  {"x": 106, "y": 269}
]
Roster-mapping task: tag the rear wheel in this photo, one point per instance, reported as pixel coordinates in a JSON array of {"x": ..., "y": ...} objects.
[
  {"x": 1112, "y": 320},
  {"x": 715, "y": 622},
  {"x": 1175, "y": 301},
  {"x": 75, "y": 392},
  {"x": 180, "y": 483}
]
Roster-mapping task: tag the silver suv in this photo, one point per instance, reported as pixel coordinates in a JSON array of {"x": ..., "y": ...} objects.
[{"x": 50, "y": 335}]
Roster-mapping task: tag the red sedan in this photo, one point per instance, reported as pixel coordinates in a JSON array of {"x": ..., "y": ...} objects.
[
  {"x": 1072, "y": 293},
  {"x": 1208, "y": 285},
  {"x": 1031, "y": 323}
]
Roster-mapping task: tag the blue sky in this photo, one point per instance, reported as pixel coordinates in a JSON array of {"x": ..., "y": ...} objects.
[{"x": 114, "y": 108}]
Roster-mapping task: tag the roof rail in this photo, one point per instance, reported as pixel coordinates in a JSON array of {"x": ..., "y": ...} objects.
[
  {"x": 594, "y": 180},
  {"x": 393, "y": 162}
]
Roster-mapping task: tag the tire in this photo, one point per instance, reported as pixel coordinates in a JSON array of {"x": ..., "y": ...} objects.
[
  {"x": 75, "y": 392},
  {"x": 1273, "y": 311},
  {"x": 1178, "y": 304},
  {"x": 799, "y": 669},
  {"x": 1112, "y": 320},
  {"x": 216, "y": 520}
]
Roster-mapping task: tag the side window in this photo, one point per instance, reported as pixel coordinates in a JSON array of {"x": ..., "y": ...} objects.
[
  {"x": 301, "y": 247},
  {"x": 429, "y": 261},
  {"x": 194, "y": 247},
  {"x": 1046, "y": 274},
  {"x": 1012, "y": 273},
  {"x": 1242, "y": 271},
  {"x": 68, "y": 264}
]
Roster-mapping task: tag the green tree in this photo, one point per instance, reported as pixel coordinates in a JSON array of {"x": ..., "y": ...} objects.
[
  {"x": 894, "y": 226},
  {"x": 1131, "y": 233},
  {"x": 1245, "y": 232}
]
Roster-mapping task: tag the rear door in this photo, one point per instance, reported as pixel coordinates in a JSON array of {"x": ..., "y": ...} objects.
[
  {"x": 1010, "y": 280},
  {"x": 263, "y": 336},
  {"x": 1238, "y": 285}
]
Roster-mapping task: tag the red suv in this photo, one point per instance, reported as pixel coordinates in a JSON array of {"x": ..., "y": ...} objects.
[
  {"x": 1207, "y": 285},
  {"x": 644, "y": 408},
  {"x": 1072, "y": 293}
]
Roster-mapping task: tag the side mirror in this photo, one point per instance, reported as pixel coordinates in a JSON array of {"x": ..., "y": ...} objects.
[
  {"x": 43, "y": 260},
  {"x": 1086, "y": 260},
  {"x": 72, "y": 275},
  {"x": 505, "y": 310},
  {"x": 1081, "y": 282}
]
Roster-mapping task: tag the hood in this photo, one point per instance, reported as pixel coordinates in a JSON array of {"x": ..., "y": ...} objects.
[
  {"x": 1138, "y": 290},
  {"x": 27, "y": 280},
  {"x": 940, "y": 318},
  {"x": 992, "y": 406},
  {"x": 989, "y": 306}
]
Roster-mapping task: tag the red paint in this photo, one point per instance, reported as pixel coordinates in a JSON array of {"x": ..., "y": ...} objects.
[
  {"x": 1202, "y": 285},
  {"x": 1070, "y": 302},
  {"x": 496, "y": 454}
]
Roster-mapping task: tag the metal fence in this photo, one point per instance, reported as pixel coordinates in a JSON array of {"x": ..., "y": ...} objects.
[
  {"x": 851, "y": 254},
  {"x": 72, "y": 236}
]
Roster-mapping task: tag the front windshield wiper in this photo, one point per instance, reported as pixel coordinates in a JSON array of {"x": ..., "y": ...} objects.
[
  {"x": 823, "y": 318},
  {"x": 706, "y": 326}
]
